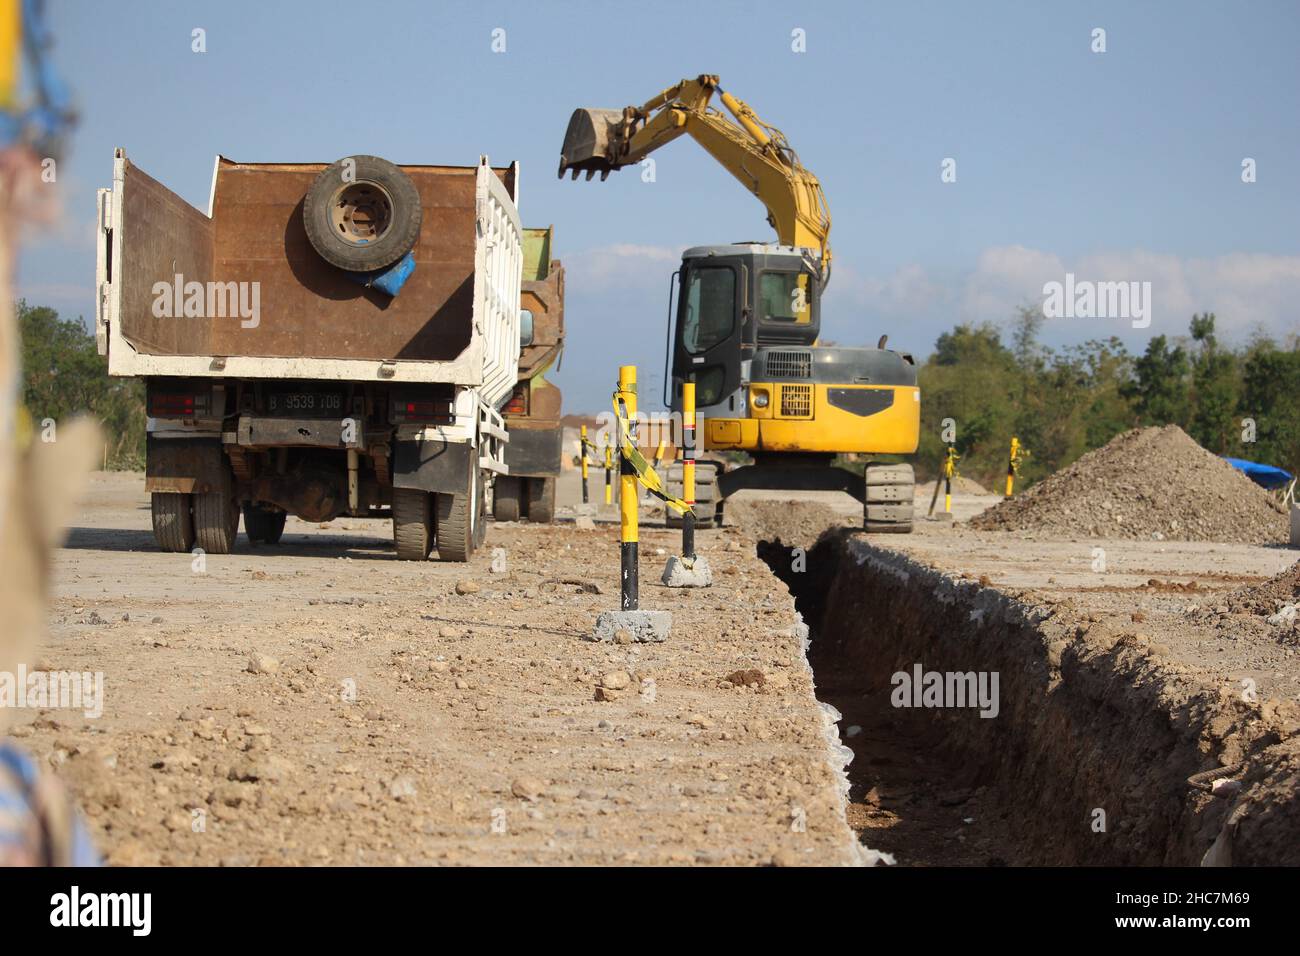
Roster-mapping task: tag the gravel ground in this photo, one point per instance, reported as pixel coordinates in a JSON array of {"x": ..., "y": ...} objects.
[{"x": 322, "y": 703}]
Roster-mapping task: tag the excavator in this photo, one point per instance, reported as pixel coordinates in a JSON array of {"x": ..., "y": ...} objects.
[{"x": 748, "y": 319}]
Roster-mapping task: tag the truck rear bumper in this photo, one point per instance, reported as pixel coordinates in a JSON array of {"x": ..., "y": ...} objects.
[{"x": 260, "y": 431}]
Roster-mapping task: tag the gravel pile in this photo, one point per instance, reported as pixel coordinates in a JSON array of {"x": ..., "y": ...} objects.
[
  {"x": 1267, "y": 598},
  {"x": 1148, "y": 483}
]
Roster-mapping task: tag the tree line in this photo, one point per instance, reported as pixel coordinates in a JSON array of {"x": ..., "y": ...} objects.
[
  {"x": 64, "y": 374},
  {"x": 1243, "y": 402}
]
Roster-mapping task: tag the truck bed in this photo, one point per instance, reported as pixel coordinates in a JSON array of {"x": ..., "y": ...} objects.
[{"x": 312, "y": 316}]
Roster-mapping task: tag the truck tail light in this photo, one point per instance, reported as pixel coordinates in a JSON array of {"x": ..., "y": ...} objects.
[
  {"x": 518, "y": 404},
  {"x": 423, "y": 410},
  {"x": 179, "y": 404}
]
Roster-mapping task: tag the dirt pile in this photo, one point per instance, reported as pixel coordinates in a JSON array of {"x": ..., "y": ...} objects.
[
  {"x": 1148, "y": 483},
  {"x": 795, "y": 523},
  {"x": 1269, "y": 597}
]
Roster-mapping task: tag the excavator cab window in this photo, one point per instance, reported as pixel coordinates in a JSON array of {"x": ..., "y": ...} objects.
[
  {"x": 784, "y": 297},
  {"x": 709, "y": 316}
]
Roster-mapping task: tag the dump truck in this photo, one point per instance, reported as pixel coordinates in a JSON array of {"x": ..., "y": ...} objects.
[
  {"x": 328, "y": 339},
  {"x": 532, "y": 415}
]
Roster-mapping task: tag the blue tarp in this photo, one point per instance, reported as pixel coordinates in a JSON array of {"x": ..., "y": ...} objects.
[
  {"x": 1266, "y": 475},
  {"x": 388, "y": 280}
]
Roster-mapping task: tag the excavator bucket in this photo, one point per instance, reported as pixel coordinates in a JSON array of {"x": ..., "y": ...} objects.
[{"x": 590, "y": 143}]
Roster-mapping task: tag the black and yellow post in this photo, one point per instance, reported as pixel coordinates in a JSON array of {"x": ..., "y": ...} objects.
[
  {"x": 627, "y": 492},
  {"x": 1013, "y": 464},
  {"x": 949, "y": 472},
  {"x": 584, "y": 464},
  {"x": 609, "y": 467},
  {"x": 688, "y": 469},
  {"x": 630, "y": 621}
]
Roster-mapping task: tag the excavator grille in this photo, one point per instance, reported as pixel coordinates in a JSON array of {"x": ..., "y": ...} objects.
[
  {"x": 796, "y": 401},
  {"x": 789, "y": 364}
]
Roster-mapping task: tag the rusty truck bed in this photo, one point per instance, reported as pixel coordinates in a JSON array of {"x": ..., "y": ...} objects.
[{"x": 307, "y": 307}]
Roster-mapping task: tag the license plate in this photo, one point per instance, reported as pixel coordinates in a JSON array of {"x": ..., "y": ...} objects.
[{"x": 307, "y": 404}]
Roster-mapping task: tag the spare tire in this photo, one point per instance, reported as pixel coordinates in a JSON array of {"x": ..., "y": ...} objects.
[{"x": 362, "y": 214}]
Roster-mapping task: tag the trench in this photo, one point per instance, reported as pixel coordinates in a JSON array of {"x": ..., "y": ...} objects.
[{"x": 1085, "y": 763}]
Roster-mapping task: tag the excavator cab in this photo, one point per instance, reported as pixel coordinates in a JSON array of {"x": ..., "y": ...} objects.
[{"x": 748, "y": 317}]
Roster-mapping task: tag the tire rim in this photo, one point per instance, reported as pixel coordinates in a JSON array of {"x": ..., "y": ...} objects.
[{"x": 361, "y": 213}]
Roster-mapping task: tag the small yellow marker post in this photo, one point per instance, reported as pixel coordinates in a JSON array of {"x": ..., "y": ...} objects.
[
  {"x": 690, "y": 570},
  {"x": 609, "y": 467},
  {"x": 1013, "y": 465},
  {"x": 949, "y": 473},
  {"x": 688, "y": 469},
  {"x": 584, "y": 464},
  {"x": 627, "y": 492}
]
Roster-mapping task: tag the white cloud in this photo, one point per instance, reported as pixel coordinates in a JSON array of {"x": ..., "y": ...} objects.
[
  {"x": 1004, "y": 278},
  {"x": 1246, "y": 291},
  {"x": 908, "y": 291},
  {"x": 621, "y": 266}
]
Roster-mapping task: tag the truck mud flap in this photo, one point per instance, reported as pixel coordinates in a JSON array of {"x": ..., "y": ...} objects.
[
  {"x": 534, "y": 451},
  {"x": 184, "y": 465},
  {"x": 431, "y": 464}
]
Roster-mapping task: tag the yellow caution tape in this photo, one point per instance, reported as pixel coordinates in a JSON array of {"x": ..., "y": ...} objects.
[{"x": 645, "y": 473}]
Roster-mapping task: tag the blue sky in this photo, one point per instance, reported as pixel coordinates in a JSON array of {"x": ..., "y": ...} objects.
[{"x": 1123, "y": 165}]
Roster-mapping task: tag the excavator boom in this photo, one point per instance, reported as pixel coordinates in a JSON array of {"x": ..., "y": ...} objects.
[{"x": 756, "y": 154}]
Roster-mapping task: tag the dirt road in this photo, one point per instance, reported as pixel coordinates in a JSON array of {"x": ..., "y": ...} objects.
[{"x": 321, "y": 702}]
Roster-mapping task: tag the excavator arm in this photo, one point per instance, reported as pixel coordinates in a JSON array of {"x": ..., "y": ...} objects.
[{"x": 756, "y": 154}]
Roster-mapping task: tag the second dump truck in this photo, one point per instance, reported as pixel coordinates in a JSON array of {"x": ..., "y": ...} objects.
[{"x": 533, "y": 412}]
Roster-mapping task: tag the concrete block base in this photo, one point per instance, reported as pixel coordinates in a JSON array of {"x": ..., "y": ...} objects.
[
  {"x": 680, "y": 573},
  {"x": 642, "y": 627}
]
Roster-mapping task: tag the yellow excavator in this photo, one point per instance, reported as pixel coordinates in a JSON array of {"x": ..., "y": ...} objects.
[{"x": 748, "y": 317}]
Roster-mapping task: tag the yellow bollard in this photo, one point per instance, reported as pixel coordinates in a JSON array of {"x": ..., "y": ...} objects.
[
  {"x": 584, "y": 464},
  {"x": 627, "y": 492},
  {"x": 949, "y": 473},
  {"x": 609, "y": 465},
  {"x": 688, "y": 469},
  {"x": 1013, "y": 465}
]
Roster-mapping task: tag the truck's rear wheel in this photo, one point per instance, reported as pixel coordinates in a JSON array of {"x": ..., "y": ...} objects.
[
  {"x": 460, "y": 518},
  {"x": 263, "y": 525},
  {"x": 412, "y": 523},
  {"x": 173, "y": 525},
  {"x": 507, "y": 493},
  {"x": 541, "y": 500},
  {"x": 888, "y": 508},
  {"x": 216, "y": 521}
]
